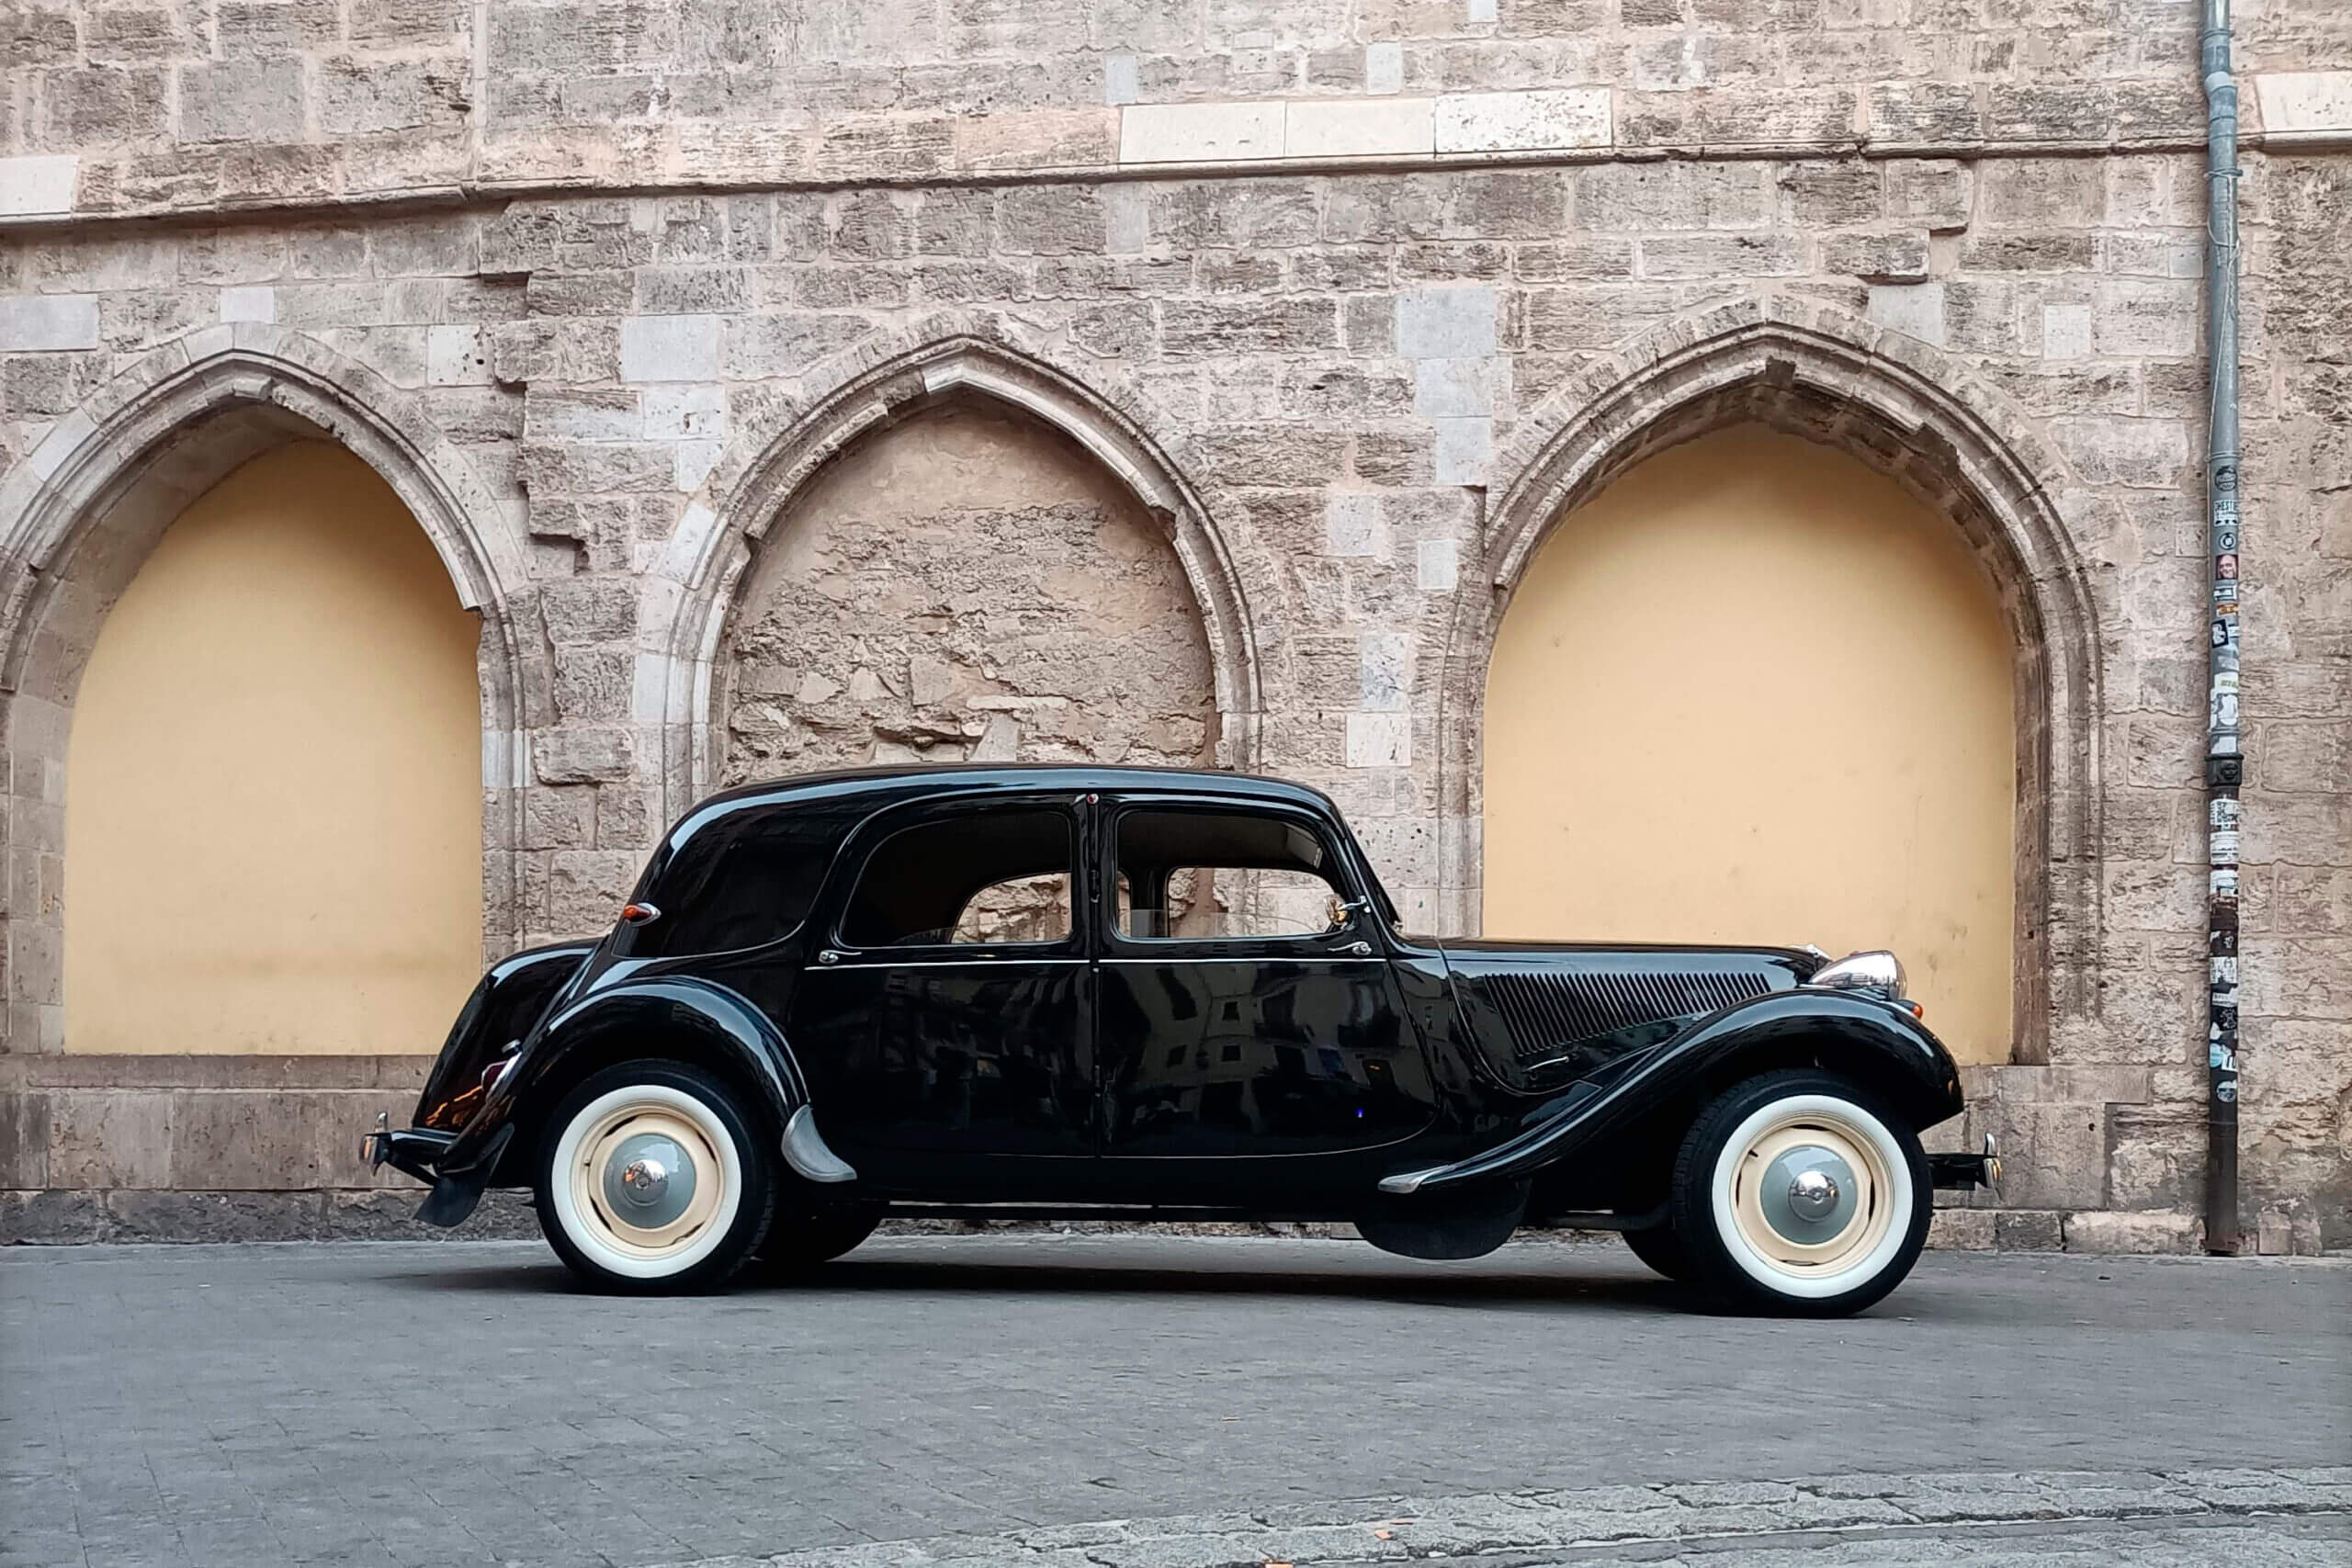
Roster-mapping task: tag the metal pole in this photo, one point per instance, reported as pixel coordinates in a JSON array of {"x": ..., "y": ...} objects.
[{"x": 2224, "y": 759}]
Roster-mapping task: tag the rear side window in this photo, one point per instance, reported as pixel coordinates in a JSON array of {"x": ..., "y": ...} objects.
[
  {"x": 994, "y": 875},
  {"x": 742, "y": 887},
  {"x": 1224, "y": 875}
]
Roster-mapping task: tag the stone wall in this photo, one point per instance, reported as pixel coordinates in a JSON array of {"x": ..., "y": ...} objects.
[{"x": 1348, "y": 305}]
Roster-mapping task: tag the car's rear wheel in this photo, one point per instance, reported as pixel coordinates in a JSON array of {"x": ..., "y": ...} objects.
[
  {"x": 1797, "y": 1192},
  {"x": 1662, "y": 1250},
  {"x": 651, "y": 1181}
]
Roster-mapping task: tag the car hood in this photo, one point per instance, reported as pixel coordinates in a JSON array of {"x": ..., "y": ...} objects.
[{"x": 1547, "y": 1013}]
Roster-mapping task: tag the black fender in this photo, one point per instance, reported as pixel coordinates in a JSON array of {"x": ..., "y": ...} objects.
[
  {"x": 501, "y": 1012},
  {"x": 1880, "y": 1042},
  {"x": 664, "y": 1016}
]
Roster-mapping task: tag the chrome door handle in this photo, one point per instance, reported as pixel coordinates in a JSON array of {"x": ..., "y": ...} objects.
[{"x": 1359, "y": 949}]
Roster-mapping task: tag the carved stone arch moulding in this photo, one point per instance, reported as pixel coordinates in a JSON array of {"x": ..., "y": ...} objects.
[
  {"x": 688, "y": 599},
  {"x": 1912, "y": 413},
  {"x": 80, "y": 514}
]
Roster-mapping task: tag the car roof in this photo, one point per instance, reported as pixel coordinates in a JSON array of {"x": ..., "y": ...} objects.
[{"x": 908, "y": 781}]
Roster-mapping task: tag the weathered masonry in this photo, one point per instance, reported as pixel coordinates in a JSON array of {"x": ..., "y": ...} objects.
[{"x": 1692, "y": 467}]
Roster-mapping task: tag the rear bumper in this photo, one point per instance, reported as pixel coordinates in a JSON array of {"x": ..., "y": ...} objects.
[
  {"x": 1967, "y": 1170},
  {"x": 419, "y": 1151}
]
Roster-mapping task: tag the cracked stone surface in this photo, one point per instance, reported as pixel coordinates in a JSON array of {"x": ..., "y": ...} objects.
[{"x": 1124, "y": 1402}]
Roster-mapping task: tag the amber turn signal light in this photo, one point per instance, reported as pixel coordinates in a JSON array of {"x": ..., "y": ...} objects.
[{"x": 637, "y": 914}]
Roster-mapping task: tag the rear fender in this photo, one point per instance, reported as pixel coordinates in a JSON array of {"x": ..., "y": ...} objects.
[
  {"x": 1880, "y": 1044},
  {"x": 668, "y": 1017}
]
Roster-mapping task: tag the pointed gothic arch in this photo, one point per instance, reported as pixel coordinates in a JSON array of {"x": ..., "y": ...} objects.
[
  {"x": 1910, "y": 411},
  {"x": 714, "y": 545},
  {"x": 79, "y": 516}
]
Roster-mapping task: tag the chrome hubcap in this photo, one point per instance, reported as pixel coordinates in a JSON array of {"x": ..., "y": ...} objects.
[
  {"x": 1814, "y": 1189},
  {"x": 649, "y": 1179}
]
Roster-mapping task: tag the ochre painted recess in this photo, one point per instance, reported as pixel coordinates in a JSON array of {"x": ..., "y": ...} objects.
[
  {"x": 1754, "y": 691},
  {"x": 273, "y": 783}
]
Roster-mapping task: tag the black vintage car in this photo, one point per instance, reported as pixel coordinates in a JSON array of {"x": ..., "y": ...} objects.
[{"x": 1125, "y": 993}]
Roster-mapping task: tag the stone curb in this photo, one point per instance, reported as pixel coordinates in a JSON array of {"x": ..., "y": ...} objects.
[{"x": 1677, "y": 1514}]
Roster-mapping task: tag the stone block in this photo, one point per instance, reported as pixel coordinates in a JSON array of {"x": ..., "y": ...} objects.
[
  {"x": 1200, "y": 133},
  {"x": 373, "y": 96},
  {"x": 1383, "y": 67},
  {"x": 1120, "y": 83},
  {"x": 1960, "y": 1230},
  {"x": 2105, "y": 1232},
  {"x": 1465, "y": 452},
  {"x": 248, "y": 302},
  {"x": 39, "y": 322},
  {"x": 241, "y": 100},
  {"x": 1461, "y": 388},
  {"x": 1357, "y": 128},
  {"x": 1523, "y": 121},
  {"x": 588, "y": 414},
  {"x": 1915, "y": 309},
  {"x": 105, "y": 1138},
  {"x": 457, "y": 357},
  {"x": 1379, "y": 740},
  {"x": 670, "y": 348},
  {"x": 2305, "y": 107},
  {"x": 1437, "y": 565},
  {"x": 2028, "y": 1230},
  {"x": 1452, "y": 322},
  {"x": 1247, "y": 325},
  {"x": 1353, "y": 525},
  {"x": 582, "y": 756},
  {"x": 36, "y": 185}
]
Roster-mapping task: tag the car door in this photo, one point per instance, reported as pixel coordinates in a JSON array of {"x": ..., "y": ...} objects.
[
  {"x": 945, "y": 1018},
  {"x": 1246, "y": 1006}
]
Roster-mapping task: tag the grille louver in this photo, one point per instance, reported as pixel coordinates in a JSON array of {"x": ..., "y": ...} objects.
[{"x": 1548, "y": 1014}]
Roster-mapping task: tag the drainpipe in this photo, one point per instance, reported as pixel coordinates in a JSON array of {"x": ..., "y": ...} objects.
[{"x": 2224, "y": 759}]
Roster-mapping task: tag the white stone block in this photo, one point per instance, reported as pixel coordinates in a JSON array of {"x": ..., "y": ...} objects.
[
  {"x": 37, "y": 185},
  {"x": 1200, "y": 133},
  {"x": 1120, "y": 84},
  {"x": 1914, "y": 310},
  {"x": 1523, "y": 122},
  {"x": 1453, "y": 322},
  {"x": 1457, "y": 388},
  {"x": 1352, "y": 524},
  {"x": 670, "y": 348},
  {"x": 1438, "y": 565},
  {"x": 1480, "y": 10},
  {"x": 457, "y": 357},
  {"x": 2065, "y": 332},
  {"x": 687, "y": 542},
  {"x": 685, "y": 413},
  {"x": 1126, "y": 219},
  {"x": 1385, "y": 671},
  {"x": 34, "y": 323},
  {"x": 1357, "y": 128},
  {"x": 248, "y": 302},
  {"x": 1383, "y": 67},
  {"x": 692, "y": 462},
  {"x": 2305, "y": 106},
  {"x": 590, "y": 416},
  {"x": 1466, "y": 450},
  {"x": 1380, "y": 740}
]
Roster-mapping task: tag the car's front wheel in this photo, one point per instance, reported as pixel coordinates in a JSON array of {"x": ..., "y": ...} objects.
[
  {"x": 651, "y": 1181},
  {"x": 1797, "y": 1192}
]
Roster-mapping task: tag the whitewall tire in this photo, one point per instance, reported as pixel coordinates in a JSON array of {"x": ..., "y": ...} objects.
[
  {"x": 651, "y": 1180},
  {"x": 1797, "y": 1192}
]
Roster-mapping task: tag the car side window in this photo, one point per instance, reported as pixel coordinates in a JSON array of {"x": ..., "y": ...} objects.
[
  {"x": 1224, "y": 876},
  {"x": 994, "y": 876}
]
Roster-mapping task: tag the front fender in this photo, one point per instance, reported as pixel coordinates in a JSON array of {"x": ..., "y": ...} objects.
[
  {"x": 1879, "y": 1041},
  {"x": 666, "y": 1016}
]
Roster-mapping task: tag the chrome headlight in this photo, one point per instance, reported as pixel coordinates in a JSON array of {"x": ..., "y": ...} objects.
[{"x": 1879, "y": 972}]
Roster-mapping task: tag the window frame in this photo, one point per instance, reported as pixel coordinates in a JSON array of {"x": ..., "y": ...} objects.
[
  {"x": 853, "y": 863},
  {"x": 1354, "y": 938}
]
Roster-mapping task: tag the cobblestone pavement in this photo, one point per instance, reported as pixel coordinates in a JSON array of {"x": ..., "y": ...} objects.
[{"x": 422, "y": 1404}]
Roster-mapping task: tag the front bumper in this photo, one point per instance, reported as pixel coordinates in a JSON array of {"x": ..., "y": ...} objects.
[{"x": 1967, "y": 1170}]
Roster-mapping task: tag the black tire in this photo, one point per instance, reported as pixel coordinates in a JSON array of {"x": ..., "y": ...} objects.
[
  {"x": 1662, "y": 1250},
  {"x": 1740, "y": 1257},
  {"x": 708, "y": 1126},
  {"x": 805, "y": 1233}
]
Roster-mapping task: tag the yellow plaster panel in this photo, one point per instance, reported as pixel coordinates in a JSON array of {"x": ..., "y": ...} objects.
[
  {"x": 273, "y": 805},
  {"x": 1754, "y": 691}
]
